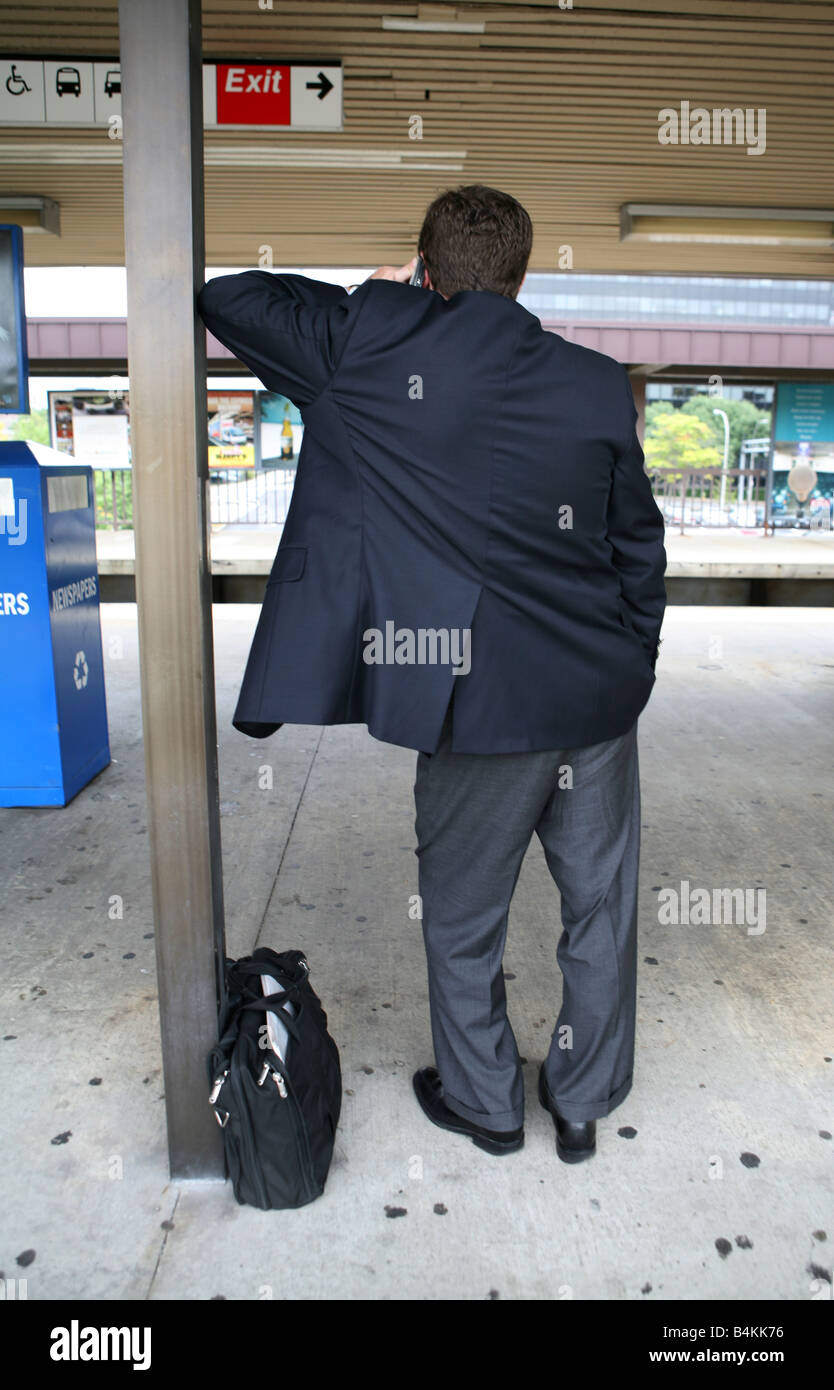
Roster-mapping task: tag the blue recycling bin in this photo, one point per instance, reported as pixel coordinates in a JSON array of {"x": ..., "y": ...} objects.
[{"x": 53, "y": 715}]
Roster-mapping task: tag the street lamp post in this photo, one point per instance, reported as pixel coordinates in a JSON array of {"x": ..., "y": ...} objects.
[{"x": 725, "y": 464}]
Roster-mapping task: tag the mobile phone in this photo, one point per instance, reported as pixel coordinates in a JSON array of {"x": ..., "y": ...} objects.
[{"x": 419, "y": 273}]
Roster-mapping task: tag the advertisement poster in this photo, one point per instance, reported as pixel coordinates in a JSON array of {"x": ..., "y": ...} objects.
[
  {"x": 94, "y": 427},
  {"x": 281, "y": 432},
  {"x": 803, "y": 454},
  {"x": 231, "y": 429}
]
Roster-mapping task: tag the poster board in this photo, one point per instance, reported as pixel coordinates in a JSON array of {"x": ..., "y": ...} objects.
[
  {"x": 802, "y": 473},
  {"x": 231, "y": 429},
  {"x": 91, "y": 426},
  {"x": 280, "y": 431}
]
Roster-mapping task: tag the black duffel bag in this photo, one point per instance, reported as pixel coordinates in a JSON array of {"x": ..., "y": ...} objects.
[{"x": 276, "y": 1081}]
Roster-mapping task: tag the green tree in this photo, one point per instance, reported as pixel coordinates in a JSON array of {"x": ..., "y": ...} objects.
[
  {"x": 34, "y": 426},
  {"x": 679, "y": 441},
  {"x": 655, "y": 408},
  {"x": 746, "y": 422}
]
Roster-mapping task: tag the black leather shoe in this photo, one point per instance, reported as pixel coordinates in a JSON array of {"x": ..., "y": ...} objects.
[
  {"x": 428, "y": 1088},
  {"x": 575, "y": 1139}
]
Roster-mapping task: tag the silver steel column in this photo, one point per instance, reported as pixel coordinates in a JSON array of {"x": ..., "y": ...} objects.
[{"x": 162, "y": 99}]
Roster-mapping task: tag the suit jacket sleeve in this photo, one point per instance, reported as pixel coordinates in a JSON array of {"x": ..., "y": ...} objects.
[
  {"x": 635, "y": 532},
  {"x": 287, "y": 329}
]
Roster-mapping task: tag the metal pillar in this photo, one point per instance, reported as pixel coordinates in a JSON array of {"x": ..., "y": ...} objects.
[{"x": 160, "y": 46}]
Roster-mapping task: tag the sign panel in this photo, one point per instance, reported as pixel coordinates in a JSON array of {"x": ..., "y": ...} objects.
[
  {"x": 107, "y": 91},
  {"x": 94, "y": 427},
  {"x": 275, "y": 96},
  {"x": 804, "y": 411},
  {"x": 231, "y": 429},
  {"x": 252, "y": 95},
  {"x": 237, "y": 95},
  {"x": 91, "y": 426},
  {"x": 281, "y": 431},
  {"x": 68, "y": 93},
  {"x": 802, "y": 488},
  {"x": 21, "y": 92},
  {"x": 14, "y": 366}
]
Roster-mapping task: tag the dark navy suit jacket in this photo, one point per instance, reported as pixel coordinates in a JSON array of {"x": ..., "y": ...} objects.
[{"x": 462, "y": 469}]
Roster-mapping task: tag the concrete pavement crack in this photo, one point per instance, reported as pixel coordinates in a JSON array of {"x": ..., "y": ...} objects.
[
  {"x": 265, "y": 913},
  {"x": 162, "y": 1248}
]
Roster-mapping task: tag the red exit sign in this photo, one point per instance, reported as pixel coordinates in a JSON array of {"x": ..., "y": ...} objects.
[
  {"x": 253, "y": 94},
  {"x": 270, "y": 96}
]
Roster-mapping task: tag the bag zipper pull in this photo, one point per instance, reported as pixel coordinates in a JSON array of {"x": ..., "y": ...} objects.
[
  {"x": 277, "y": 1077},
  {"x": 215, "y": 1090}
]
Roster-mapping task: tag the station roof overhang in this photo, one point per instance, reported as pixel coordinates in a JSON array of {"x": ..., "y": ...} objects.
[{"x": 557, "y": 104}]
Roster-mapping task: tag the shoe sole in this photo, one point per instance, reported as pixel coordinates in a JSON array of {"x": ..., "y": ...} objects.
[
  {"x": 488, "y": 1145},
  {"x": 566, "y": 1155}
]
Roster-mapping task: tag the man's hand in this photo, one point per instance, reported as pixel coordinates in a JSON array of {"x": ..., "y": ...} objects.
[{"x": 390, "y": 272}]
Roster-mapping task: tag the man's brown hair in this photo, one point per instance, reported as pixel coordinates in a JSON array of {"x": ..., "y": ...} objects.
[{"x": 476, "y": 238}]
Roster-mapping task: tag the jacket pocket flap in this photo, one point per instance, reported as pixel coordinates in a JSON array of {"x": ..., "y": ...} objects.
[{"x": 288, "y": 565}]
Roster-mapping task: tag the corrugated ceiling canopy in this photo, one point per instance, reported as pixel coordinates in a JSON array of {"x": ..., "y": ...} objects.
[{"x": 557, "y": 106}]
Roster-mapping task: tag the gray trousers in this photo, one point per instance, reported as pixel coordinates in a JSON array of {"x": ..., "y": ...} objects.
[{"x": 476, "y": 814}]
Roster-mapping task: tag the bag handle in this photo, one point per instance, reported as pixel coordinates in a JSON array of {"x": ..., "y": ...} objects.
[
  {"x": 250, "y": 998},
  {"x": 271, "y": 1003},
  {"x": 249, "y": 965},
  {"x": 266, "y": 963}
]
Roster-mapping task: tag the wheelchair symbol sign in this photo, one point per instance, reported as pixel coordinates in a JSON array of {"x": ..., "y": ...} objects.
[
  {"x": 16, "y": 85},
  {"x": 22, "y": 94}
]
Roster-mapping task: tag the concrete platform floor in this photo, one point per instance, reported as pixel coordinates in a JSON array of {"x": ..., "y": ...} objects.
[{"x": 714, "y": 1179}]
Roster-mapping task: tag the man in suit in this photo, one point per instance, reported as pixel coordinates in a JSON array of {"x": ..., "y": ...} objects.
[{"x": 472, "y": 565}]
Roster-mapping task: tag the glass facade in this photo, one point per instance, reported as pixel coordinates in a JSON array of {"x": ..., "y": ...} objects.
[
  {"x": 679, "y": 299},
  {"x": 679, "y": 393}
]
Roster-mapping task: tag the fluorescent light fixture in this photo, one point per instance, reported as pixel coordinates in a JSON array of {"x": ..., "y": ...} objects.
[
  {"x": 805, "y": 228},
  {"x": 251, "y": 156},
  {"x": 330, "y": 157},
  {"x": 31, "y": 212},
  {"x": 434, "y": 26}
]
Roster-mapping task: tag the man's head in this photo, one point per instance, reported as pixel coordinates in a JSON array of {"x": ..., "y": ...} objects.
[{"x": 476, "y": 238}]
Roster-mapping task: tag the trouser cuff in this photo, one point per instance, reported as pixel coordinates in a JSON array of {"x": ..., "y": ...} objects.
[
  {"x": 577, "y": 1110},
  {"x": 506, "y": 1120}
]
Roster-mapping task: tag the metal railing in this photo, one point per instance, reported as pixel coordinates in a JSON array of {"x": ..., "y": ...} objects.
[
  {"x": 730, "y": 498},
  {"x": 113, "y": 489},
  {"x": 249, "y": 497},
  {"x": 708, "y": 497},
  {"x": 237, "y": 497}
]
